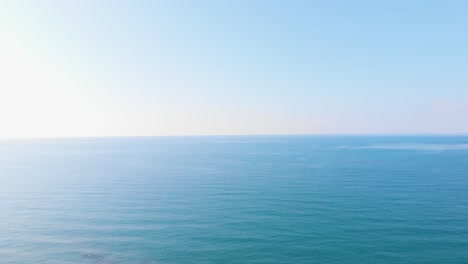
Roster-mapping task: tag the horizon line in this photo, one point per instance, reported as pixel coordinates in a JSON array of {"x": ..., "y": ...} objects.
[{"x": 234, "y": 135}]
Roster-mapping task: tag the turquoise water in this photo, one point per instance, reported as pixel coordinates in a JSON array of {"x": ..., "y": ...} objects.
[{"x": 298, "y": 199}]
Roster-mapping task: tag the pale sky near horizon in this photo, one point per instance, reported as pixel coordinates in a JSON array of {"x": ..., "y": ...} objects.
[{"x": 143, "y": 68}]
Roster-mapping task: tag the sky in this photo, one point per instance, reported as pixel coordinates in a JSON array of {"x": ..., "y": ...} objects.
[{"x": 196, "y": 67}]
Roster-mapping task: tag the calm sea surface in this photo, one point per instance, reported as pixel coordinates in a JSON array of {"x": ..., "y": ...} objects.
[{"x": 178, "y": 200}]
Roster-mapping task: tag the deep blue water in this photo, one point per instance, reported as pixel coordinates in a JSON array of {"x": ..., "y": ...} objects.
[{"x": 277, "y": 199}]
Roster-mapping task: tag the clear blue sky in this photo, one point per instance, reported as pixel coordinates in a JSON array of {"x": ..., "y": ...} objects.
[{"x": 128, "y": 68}]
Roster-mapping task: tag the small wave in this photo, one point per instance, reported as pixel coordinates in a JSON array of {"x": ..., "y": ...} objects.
[
  {"x": 431, "y": 147},
  {"x": 97, "y": 257}
]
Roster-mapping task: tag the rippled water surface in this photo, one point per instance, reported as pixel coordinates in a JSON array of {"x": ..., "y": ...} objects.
[{"x": 300, "y": 199}]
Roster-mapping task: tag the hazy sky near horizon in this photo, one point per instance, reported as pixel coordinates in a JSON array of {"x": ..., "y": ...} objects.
[{"x": 129, "y": 68}]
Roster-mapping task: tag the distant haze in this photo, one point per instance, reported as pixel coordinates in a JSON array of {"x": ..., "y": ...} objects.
[{"x": 143, "y": 68}]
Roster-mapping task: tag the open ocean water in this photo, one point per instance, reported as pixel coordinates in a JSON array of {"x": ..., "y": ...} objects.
[{"x": 244, "y": 199}]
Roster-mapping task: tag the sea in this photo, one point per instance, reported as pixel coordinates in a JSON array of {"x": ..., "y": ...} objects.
[{"x": 235, "y": 199}]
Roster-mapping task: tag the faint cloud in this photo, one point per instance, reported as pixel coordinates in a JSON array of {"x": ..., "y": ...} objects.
[{"x": 450, "y": 105}]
